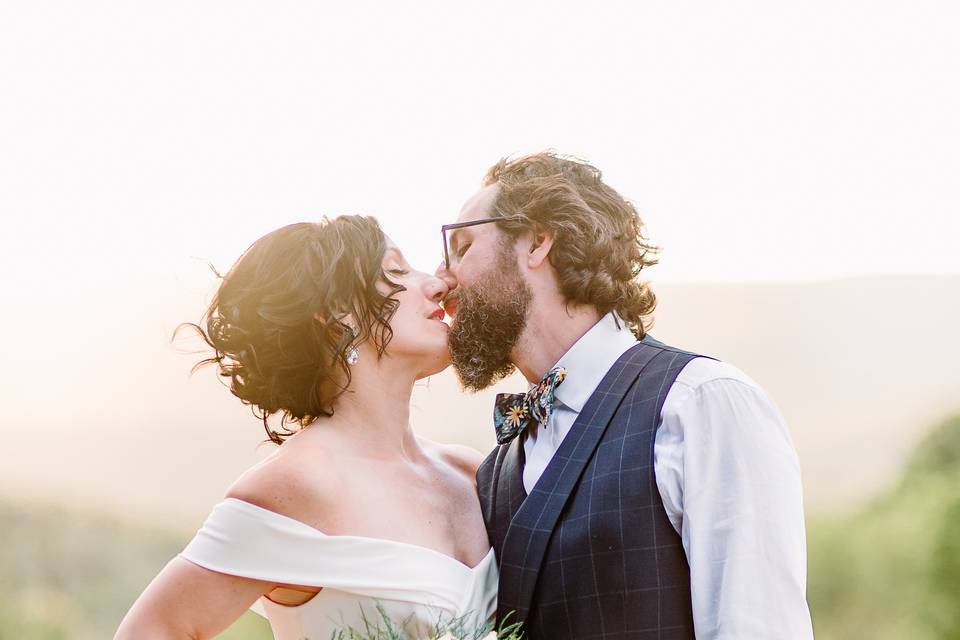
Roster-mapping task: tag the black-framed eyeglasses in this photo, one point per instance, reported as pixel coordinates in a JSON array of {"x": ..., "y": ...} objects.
[{"x": 460, "y": 225}]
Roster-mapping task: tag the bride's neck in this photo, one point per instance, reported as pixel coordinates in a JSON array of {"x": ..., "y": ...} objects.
[{"x": 374, "y": 412}]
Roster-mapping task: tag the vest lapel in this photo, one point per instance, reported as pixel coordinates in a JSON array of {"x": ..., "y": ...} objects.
[
  {"x": 500, "y": 487},
  {"x": 530, "y": 529},
  {"x": 501, "y": 492},
  {"x": 510, "y": 483}
]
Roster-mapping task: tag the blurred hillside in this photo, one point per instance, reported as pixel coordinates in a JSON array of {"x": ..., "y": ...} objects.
[
  {"x": 886, "y": 571},
  {"x": 100, "y": 408},
  {"x": 69, "y": 574},
  {"x": 891, "y": 570}
]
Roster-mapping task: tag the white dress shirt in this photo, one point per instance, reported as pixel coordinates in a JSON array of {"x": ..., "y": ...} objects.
[{"x": 729, "y": 479}]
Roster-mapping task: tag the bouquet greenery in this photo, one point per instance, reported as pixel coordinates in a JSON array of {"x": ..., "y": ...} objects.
[{"x": 385, "y": 628}]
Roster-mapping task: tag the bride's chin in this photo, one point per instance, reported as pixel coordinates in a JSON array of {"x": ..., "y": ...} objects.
[{"x": 441, "y": 362}]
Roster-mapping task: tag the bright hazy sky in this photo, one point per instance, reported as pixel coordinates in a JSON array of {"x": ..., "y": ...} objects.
[{"x": 760, "y": 140}]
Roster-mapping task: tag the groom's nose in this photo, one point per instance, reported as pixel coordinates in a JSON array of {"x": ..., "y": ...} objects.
[{"x": 447, "y": 276}]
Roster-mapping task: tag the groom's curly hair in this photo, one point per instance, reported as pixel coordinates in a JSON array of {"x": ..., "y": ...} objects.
[
  {"x": 599, "y": 247},
  {"x": 276, "y": 322}
]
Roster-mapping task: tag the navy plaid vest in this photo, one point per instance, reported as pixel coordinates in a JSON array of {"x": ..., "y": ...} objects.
[{"x": 590, "y": 553}]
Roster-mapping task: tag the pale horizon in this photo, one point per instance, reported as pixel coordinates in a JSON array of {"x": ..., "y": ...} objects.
[{"x": 107, "y": 416}]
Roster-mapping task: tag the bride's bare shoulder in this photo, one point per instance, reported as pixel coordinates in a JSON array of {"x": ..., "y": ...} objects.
[
  {"x": 299, "y": 482},
  {"x": 461, "y": 457}
]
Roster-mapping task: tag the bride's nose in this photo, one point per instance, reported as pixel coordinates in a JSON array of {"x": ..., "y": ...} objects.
[{"x": 435, "y": 288}]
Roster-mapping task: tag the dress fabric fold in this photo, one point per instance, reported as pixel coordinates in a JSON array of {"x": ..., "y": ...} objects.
[{"x": 362, "y": 578}]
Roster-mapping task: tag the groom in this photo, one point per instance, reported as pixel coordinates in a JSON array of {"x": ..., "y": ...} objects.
[{"x": 638, "y": 490}]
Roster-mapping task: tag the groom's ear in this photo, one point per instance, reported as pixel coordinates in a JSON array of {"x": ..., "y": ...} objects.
[{"x": 541, "y": 241}]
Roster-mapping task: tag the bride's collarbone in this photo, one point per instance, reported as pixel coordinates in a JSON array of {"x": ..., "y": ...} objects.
[{"x": 431, "y": 505}]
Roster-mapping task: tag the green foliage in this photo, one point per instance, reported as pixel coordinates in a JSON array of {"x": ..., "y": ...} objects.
[
  {"x": 891, "y": 570},
  {"x": 250, "y": 626},
  {"x": 938, "y": 454},
  {"x": 943, "y": 605}
]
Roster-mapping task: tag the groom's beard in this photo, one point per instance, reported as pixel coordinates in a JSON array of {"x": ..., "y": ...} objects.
[{"x": 490, "y": 317}]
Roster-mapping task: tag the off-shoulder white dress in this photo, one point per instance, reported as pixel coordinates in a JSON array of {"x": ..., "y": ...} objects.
[{"x": 409, "y": 583}]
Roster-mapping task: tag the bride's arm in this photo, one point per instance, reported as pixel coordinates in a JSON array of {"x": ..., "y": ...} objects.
[{"x": 187, "y": 602}]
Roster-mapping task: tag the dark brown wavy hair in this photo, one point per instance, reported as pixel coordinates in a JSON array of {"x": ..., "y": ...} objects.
[
  {"x": 599, "y": 247},
  {"x": 276, "y": 322}
]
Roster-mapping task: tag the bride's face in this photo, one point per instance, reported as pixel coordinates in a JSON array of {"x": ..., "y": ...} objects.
[{"x": 419, "y": 330}]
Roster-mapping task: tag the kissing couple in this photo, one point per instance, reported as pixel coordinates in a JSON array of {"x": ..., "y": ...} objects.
[{"x": 637, "y": 490}]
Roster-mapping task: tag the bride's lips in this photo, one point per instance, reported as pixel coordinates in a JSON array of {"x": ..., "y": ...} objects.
[{"x": 437, "y": 315}]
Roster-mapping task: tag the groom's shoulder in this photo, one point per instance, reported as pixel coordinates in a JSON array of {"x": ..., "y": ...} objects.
[
  {"x": 698, "y": 369},
  {"x": 695, "y": 369},
  {"x": 701, "y": 371},
  {"x": 706, "y": 380}
]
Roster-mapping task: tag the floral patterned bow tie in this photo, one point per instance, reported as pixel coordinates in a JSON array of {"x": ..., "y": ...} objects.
[{"x": 514, "y": 412}]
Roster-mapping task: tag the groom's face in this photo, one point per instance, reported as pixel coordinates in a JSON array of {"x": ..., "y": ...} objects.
[{"x": 488, "y": 298}]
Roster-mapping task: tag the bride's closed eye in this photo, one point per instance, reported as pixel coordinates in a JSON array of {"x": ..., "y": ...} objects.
[{"x": 397, "y": 272}]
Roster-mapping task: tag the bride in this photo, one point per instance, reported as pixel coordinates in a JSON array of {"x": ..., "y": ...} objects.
[{"x": 353, "y": 517}]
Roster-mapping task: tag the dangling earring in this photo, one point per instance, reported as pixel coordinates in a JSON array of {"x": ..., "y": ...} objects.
[{"x": 353, "y": 355}]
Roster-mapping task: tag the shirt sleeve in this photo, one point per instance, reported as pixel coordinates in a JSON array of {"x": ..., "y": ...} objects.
[{"x": 730, "y": 481}]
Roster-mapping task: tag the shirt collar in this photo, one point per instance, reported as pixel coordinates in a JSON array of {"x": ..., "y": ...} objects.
[{"x": 589, "y": 359}]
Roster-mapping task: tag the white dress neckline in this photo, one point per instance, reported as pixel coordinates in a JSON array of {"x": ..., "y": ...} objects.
[
  {"x": 479, "y": 566},
  {"x": 360, "y": 577}
]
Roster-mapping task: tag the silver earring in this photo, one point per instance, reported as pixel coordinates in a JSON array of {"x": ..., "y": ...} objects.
[{"x": 353, "y": 355}]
